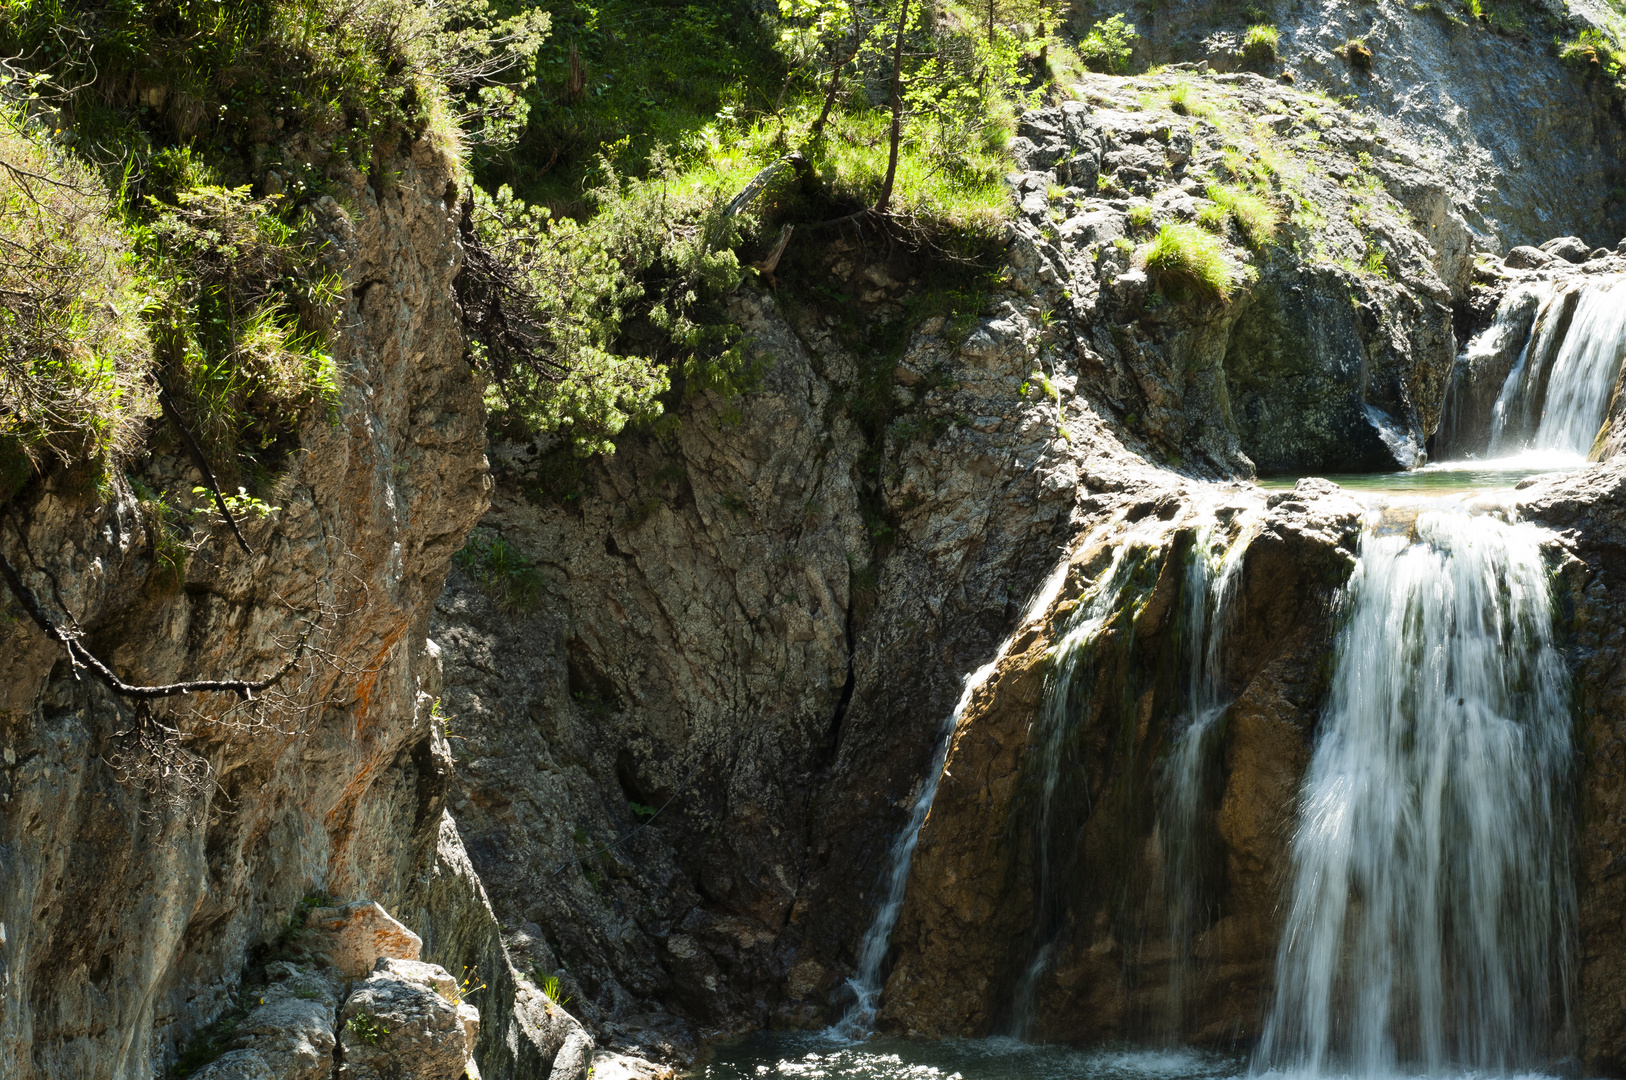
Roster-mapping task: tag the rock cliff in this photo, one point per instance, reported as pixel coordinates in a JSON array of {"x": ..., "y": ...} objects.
[
  {"x": 687, "y": 732},
  {"x": 149, "y": 853}
]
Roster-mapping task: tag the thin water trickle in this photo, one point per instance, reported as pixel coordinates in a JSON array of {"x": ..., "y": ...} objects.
[
  {"x": 866, "y": 983},
  {"x": 1213, "y": 570},
  {"x": 1430, "y": 920},
  {"x": 1068, "y": 685}
]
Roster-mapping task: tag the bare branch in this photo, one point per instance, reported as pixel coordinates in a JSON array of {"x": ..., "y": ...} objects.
[{"x": 82, "y": 657}]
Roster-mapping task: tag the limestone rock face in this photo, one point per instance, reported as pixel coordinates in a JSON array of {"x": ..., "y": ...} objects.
[
  {"x": 402, "y": 1021},
  {"x": 1526, "y": 144},
  {"x": 131, "y": 897},
  {"x": 1335, "y": 362},
  {"x": 680, "y": 761},
  {"x": 360, "y": 934}
]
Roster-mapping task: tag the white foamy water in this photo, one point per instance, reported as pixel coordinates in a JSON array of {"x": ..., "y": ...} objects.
[
  {"x": 1213, "y": 571},
  {"x": 816, "y": 1057},
  {"x": 1561, "y": 408},
  {"x": 1429, "y": 927},
  {"x": 1068, "y": 686}
]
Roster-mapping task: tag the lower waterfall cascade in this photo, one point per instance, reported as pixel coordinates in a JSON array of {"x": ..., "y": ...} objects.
[
  {"x": 1431, "y": 910},
  {"x": 1213, "y": 569},
  {"x": 866, "y": 984}
]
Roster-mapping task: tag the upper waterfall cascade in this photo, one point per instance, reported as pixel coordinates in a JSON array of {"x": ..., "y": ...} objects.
[{"x": 1556, "y": 395}]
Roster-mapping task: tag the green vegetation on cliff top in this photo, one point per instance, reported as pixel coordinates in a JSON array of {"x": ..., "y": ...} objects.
[{"x": 186, "y": 144}]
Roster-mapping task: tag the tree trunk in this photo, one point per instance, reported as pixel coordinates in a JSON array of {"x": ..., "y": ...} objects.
[
  {"x": 835, "y": 77},
  {"x": 885, "y": 200},
  {"x": 991, "y": 21}
]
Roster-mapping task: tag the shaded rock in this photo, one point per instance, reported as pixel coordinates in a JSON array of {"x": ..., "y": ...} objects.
[
  {"x": 291, "y": 1029},
  {"x": 1527, "y": 258},
  {"x": 1569, "y": 248},
  {"x": 249, "y": 1065}
]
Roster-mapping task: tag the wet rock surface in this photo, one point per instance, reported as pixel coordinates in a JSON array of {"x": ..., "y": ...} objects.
[{"x": 972, "y": 922}]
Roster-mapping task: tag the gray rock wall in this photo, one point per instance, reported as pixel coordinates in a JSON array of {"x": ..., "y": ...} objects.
[
  {"x": 130, "y": 909},
  {"x": 1531, "y": 148}
]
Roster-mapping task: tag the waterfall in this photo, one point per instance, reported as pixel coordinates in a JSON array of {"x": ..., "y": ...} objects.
[
  {"x": 1113, "y": 599},
  {"x": 866, "y": 983},
  {"x": 1111, "y": 605},
  {"x": 1431, "y": 911},
  {"x": 1557, "y": 401},
  {"x": 1212, "y": 573}
]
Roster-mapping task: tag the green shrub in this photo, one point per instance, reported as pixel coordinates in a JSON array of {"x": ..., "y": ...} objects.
[
  {"x": 1187, "y": 261},
  {"x": 1109, "y": 45},
  {"x": 1259, "y": 45},
  {"x": 500, "y": 571},
  {"x": 73, "y": 352},
  {"x": 366, "y": 1027},
  {"x": 240, "y": 320}
]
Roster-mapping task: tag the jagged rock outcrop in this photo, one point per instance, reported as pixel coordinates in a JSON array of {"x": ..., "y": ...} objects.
[
  {"x": 973, "y": 919},
  {"x": 1335, "y": 351},
  {"x": 1527, "y": 143}
]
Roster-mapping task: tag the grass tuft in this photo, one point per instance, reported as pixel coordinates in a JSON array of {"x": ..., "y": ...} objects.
[
  {"x": 1187, "y": 261},
  {"x": 73, "y": 352},
  {"x": 1254, "y": 214},
  {"x": 1259, "y": 45}
]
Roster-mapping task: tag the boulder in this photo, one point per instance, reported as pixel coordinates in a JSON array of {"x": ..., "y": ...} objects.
[
  {"x": 359, "y": 934},
  {"x": 1569, "y": 248},
  {"x": 1527, "y": 258},
  {"x": 288, "y": 1035},
  {"x": 406, "y": 1021}
]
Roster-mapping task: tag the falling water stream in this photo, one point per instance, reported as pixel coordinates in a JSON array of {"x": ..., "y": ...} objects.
[
  {"x": 867, "y": 981},
  {"x": 1429, "y": 910},
  {"x": 1212, "y": 573}
]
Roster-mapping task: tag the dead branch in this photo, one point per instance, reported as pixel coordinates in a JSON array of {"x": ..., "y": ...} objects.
[
  {"x": 500, "y": 310},
  {"x": 81, "y": 657},
  {"x": 173, "y": 415},
  {"x": 761, "y": 180}
]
